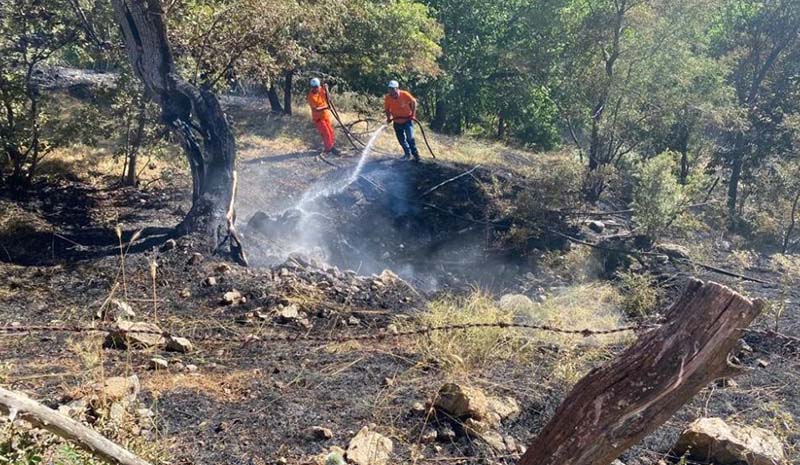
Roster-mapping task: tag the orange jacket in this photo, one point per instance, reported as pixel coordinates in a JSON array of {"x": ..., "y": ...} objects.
[
  {"x": 319, "y": 104},
  {"x": 401, "y": 108}
]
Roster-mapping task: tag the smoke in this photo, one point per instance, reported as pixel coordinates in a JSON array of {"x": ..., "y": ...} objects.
[{"x": 370, "y": 217}]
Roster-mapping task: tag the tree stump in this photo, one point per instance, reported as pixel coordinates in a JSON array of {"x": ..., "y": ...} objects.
[{"x": 615, "y": 406}]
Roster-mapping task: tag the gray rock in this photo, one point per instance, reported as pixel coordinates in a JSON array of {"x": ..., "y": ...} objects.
[
  {"x": 515, "y": 302},
  {"x": 369, "y": 448},
  {"x": 711, "y": 439},
  {"x": 597, "y": 226},
  {"x": 138, "y": 335},
  {"x": 179, "y": 344}
]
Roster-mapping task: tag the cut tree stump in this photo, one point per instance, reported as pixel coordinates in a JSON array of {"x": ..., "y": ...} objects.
[
  {"x": 615, "y": 406},
  {"x": 18, "y": 405}
]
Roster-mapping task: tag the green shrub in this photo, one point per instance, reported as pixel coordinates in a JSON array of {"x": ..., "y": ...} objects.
[{"x": 640, "y": 296}]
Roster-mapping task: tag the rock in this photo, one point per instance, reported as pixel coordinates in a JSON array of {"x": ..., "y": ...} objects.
[
  {"x": 389, "y": 277},
  {"x": 597, "y": 226},
  {"x": 618, "y": 462},
  {"x": 353, "y": 321},
  {"x": 232, "y": 297},
  {"x": 74, "y": 409},
  {"x": 195, "y": 259},
  {"x": 210, "y": 281},
  {"x": 446, "y": 433},
  {"x": 185, "y": 294},
  {"x": 116, "y": 310},
  {"x": 320, "y": 433},
  {"x": 429, "y": 435},
  {"x": 418, "y": 408},
  {"x": 711, "y": 439},
  {"x": 222, "y": 268},
  {"x": 673, "y": 250},
  {"x": 179, "y": 344},
  {"x": 762, "y": 363},
  {"x": 117, "y": 413},
  {"x": 157, "y": 363},
  {"x": 288, "y": 313},
  {"x": 514, "y": 302},
  {"x": 139, "y": 335},
  {"x": 192, "y": 368},
  {"x": 169, "y": 245},
  {"x": 504, "y": 407},
  {"x": 369, "y": 448},
  {"x": 462, "y": 401},
  {"x": 118, "y": 388}
]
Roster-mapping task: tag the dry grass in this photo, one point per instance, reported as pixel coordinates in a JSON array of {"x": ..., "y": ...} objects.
[
  {"x": 225, "y": 387},
  {"x": 592, "y": 306}
]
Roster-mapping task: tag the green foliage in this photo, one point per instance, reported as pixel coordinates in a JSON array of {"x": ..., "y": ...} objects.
[
  {"x": 658, "y": 197},
  {"x": 31, "y": 32},
  {"x": 640, "y": 296}
]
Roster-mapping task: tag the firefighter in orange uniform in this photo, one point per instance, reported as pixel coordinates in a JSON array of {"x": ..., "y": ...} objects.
[
  {"x": 401, "y": 109},
  {"x": 321, "y": 114}
]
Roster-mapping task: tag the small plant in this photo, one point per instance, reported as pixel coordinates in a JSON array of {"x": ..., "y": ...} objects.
[{"x": 640, "y": 296}]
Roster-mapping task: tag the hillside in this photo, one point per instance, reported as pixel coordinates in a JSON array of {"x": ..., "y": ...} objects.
[{"x": 285, "y": 364}]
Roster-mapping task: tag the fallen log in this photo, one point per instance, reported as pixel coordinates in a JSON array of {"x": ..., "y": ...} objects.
[
  {"x": 18, "y": 405},
  {"x": 615, "y": 406}
]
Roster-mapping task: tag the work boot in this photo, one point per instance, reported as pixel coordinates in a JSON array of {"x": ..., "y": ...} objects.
[
  {"x": 405, "y": 156},
  {"x": 416, "y": 156}
]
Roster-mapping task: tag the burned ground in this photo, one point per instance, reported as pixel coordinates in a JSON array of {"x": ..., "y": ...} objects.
[{"x": 255, "y": 402}]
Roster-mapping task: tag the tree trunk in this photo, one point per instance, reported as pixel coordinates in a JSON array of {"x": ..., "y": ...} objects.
[
  {"x": 733, "y": 183},
  {"x": 615, "y": 406},
  {"x": 439, "y": 115},
  {"x": 135, "y": 145},
  {"x": 194, "y": 115},
  {"x": 287, "y": 92},
  {"x": 501, "y": 126},
  {"x": 274, "y": 101},
  {"x": 18, "y": 405}
]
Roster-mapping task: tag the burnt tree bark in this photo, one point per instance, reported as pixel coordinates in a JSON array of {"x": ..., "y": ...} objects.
[
  {"x": 274, "y": 101},
  {"x": 194, "y": 115},
  {"x": 615, "y": 406}
]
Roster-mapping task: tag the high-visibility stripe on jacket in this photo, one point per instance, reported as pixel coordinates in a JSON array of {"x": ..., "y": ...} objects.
[
  {"x": 318, "y": 101},
  {"x": 400, "y": 107}
]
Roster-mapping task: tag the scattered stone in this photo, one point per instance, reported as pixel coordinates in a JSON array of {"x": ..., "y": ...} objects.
[
  {"x": 210, "y": 281},
  {"x": 118, "y": 388},
  {"x": 711, "y": 439},
  {"x": 597, "y": 226},
  {"x": 222, "y": 268},
  {"x": 169, "y": 245},
  {"x": 157, "y": 363},
  {"x": 185, "y": 294},
  {"x": 369, "y": 448},
  {"x": 139, "y": 335},
  {"x": 288, "y": 313},
  {"x": 762, "y": 363},
  {"x": 673, "y": 250},
  {"x": 117, "y": 412},
  {"x": 392, "y": 329},
  {"x": 418, "y": 408},
  {"x": 504, "y": 407},
  {"x": 179, "y": 344},
  {"x": 320, "y": 433},
  {"x": 116, "y": 310},
  {"x": 515, "y": 302},
  {"x": 446, "y": 433},
  {"x": 232, "y": 297},
  {"x": 192, "y": 368},
  {"x": 195, "y": 259},
  {"x": 429, "y": 435},
  {"x": 618, "y": 462},
  {"x": 462, "y": 401},
  {"x": 727, "y": 383},
  {"x": 74, "y": 409},
  {"x": 353, "y": 321}
]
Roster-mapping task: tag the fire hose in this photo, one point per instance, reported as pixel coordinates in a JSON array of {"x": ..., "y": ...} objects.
[{"x": 353, "y": 139}]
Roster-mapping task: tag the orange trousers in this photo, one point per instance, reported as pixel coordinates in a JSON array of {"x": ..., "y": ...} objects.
[{"x": 326, "y": 131}]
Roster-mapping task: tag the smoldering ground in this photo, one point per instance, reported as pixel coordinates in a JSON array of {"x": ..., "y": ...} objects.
[{"x": 386, "y": 216}]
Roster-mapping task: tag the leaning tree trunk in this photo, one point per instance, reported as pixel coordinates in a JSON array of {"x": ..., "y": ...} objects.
[
  {"x": 615, "y": 406},
  {"x": 288, "y": 80},
  {"x": 194, "y": 115}
]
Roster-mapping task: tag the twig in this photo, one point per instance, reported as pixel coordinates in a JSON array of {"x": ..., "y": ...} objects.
[{"x": 448, "y": 181}]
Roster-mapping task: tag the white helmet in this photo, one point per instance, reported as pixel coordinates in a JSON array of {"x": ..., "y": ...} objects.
[
  {"x": 394, "y": 84},
  {"x": 315, "y": 82}
]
